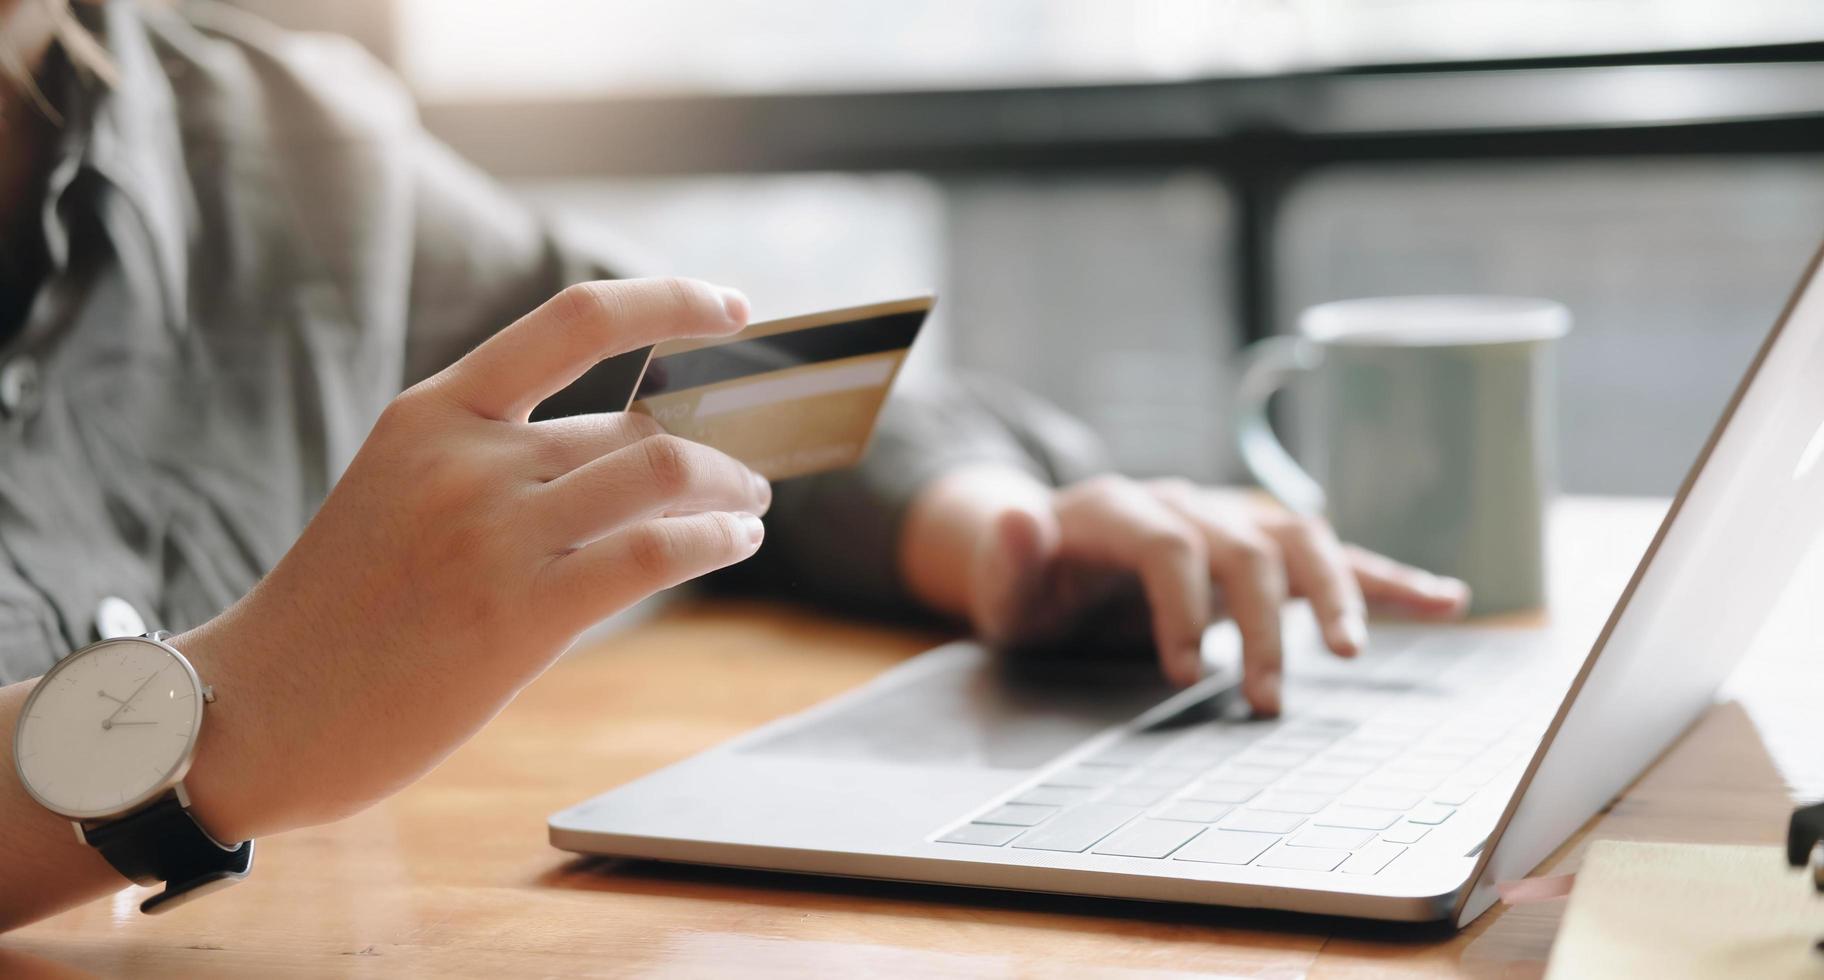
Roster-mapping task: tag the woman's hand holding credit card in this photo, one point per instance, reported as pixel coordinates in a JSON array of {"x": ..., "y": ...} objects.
[{"x": 788, "y": 397}]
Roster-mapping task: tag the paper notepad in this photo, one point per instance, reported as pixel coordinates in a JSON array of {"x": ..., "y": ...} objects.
[{"x": 1688, "y": 910}]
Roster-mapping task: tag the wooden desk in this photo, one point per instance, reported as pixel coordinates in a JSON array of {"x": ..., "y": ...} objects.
[{"x": 454, "y": 878}]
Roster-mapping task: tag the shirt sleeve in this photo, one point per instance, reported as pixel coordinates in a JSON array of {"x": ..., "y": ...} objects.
[{"x": 833, "y": 539}]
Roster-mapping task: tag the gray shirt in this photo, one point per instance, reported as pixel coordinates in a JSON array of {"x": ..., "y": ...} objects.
[{"x": 249, "y": 247}]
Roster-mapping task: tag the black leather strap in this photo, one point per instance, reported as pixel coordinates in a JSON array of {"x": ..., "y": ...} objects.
[{"x": 164, "y": 843}]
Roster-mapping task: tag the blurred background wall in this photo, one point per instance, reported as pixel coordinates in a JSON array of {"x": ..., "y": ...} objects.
[{"x": 1654, "y": 165}]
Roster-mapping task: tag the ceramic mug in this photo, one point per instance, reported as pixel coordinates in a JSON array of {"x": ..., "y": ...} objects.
[{"x": 1432, "y": 435}]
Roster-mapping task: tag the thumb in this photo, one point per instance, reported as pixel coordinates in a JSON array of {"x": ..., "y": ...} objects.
[{"x": 1013, "y": 562}]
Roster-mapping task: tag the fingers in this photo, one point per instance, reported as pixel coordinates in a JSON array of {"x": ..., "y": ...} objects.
[
  {"x": 1116, "y": 522},
  {"x": 566, "y": 444},
  {"x": 1317, "y": 569},
  {"x": 1010, "y": 572},
  {"x": 658, "y": 475},
  {"x": 1254, "y": 584},
  {"x": 636, "y": 561},
  {"x": 543, "y": 351},
  {"x": 1413, "y": 590},
  {"x": 1250, "y": 567}
]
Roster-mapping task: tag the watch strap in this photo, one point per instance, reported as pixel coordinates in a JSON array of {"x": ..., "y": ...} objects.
[{"x": 163, "y": 842}]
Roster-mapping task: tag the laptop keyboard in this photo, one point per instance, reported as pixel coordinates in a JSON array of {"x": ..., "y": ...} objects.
[{"x": 1370, "y": 758}]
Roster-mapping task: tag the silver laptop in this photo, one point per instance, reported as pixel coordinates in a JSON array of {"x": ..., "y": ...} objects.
[{"x": 1402, "y": 785}]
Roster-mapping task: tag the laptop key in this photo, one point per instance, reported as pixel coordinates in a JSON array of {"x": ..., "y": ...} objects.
[
  {"x": 1289, "y": 802},
  {"x": 1195, "y": 757},
  {"x": 991, "y": 835},
  {"x": 1384, "y": 799},
  {"x": 1306, "y": 742},
  {"x": 1218, "y": 846},
  {"x": 1055, "y": 795},
  {"x": 1225, "y": 736},
  {"x": 1303, "y": 858},
  {"x": 1132, "y": 749},
  {"x": 1334, "y": 766},
  {"x": 1357, "y": 818},
  {"x": 1077, "y": 828},
  {"x": 1381, "y": 739},
  {"x": 1091, "y": 777},
  {"x": 1018, "y": 815},
  {"x": 1148, "y": 838},
  {"x": 1419, "y": 781},
  {"x": 1367, "y": 751},
  {"x": 1371, "y": 859},
  {"x": 1405, "y": 833},
  {"x": 1450, "y": 748},
  {"x": 1335, "y": 838},
  {"x": 1222, "y": 791},
  {"x": 1264, "y": 821},
  {"x": 1195, "y": 811},
  {"x": 1431, "y": 813},
  {"x": 1432, "y": 764},
  {"x": 1453, "y": 794},
  {"x": 1277, "y": 758},
  {"x": 1317, "y": 782},
  {"x": 1256, "y": 775},
  {"x": 1193, "y": 767},
  {"x": 1163, "y": 778},
  {"x": 1326, "y": 724},
  {"x": 1135, "y": 795},
  {"x": 1477, "y": 775}
]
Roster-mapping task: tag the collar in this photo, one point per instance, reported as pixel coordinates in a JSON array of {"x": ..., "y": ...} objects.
[{"x": 129, "y": 136}]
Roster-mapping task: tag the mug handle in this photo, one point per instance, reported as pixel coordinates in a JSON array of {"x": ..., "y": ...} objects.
[{"x": 1267, "y": 366}]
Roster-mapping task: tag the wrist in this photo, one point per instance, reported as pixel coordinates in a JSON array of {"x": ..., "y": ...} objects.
[{"x": 230, "y": 785}]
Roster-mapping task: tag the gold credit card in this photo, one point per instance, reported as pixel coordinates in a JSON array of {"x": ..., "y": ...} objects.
[{"x": 787, "y": 397}]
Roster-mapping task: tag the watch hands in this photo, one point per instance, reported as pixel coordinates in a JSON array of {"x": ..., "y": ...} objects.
[
  {"x": 129, "y": 700},
  {"x": 110, "y": 697},
  {"x": 122, "y": 724}
]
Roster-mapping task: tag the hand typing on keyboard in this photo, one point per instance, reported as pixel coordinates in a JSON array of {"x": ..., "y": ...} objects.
[{"x": 1027, "y": 564}]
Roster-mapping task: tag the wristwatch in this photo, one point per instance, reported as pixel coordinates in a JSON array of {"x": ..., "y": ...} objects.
[{"x": 106, "y": 739}]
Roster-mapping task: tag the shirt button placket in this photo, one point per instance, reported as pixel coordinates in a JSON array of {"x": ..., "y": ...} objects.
[
  {"x": 115, "y": 617},
  {"x": 21, "y": 390}
]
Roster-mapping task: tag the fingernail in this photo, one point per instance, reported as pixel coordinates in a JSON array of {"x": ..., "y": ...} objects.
[
  {"x": 1449, "y": 588},
  {"x": 1355, "y": 631},
  {"x": 763, "y": 490},
  {"x": 734, "y": 303},
  {"x": 1266, "y": 695},
  {"x": 756, "y": 529}
]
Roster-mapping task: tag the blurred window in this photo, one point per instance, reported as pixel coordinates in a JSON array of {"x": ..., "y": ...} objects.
[{"x": 485, "y": 49}]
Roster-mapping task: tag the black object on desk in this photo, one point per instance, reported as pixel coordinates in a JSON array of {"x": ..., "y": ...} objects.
[{"x": 1805, "y": 845}]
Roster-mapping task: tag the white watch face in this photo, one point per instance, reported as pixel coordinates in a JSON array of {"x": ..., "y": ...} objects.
[{"x": 110, "y": 727}]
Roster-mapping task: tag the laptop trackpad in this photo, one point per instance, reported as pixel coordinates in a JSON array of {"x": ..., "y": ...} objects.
[{"x": 961, "y": 705}]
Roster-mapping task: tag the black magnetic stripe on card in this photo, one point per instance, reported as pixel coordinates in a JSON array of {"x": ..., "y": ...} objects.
[
  {"x": 764, "y": 355},
  {"x": 606, "y": 387}
]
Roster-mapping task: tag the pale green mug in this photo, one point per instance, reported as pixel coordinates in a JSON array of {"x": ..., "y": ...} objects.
[{"x": 1433, "y": 434}]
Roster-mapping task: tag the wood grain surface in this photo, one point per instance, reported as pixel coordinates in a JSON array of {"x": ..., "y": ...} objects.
[{"x": 453, "y": 877}]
